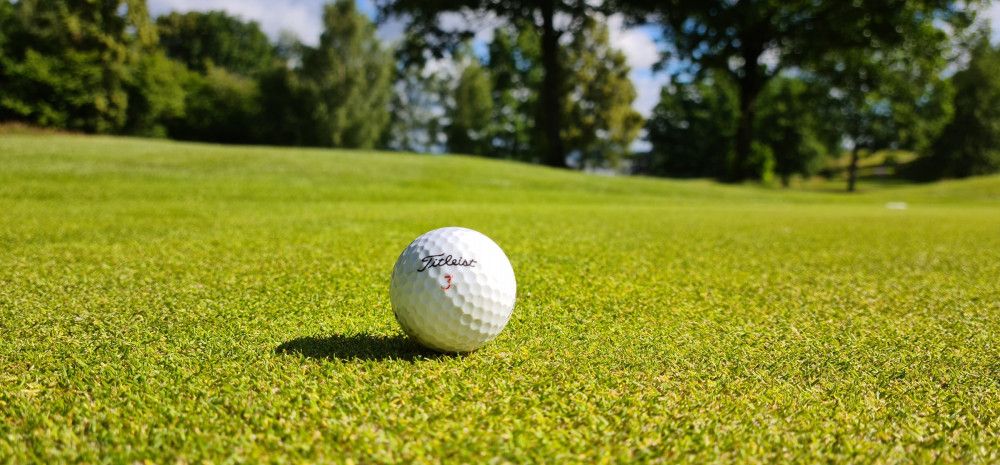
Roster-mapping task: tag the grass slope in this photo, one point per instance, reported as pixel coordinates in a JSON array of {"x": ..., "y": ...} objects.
[{"x": 185, "y": 303}]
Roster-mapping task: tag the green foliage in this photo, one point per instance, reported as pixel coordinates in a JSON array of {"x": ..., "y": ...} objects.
[
  {"x": 791, "y": 126},
  {"x": 416, "y": 110},
  {"x": 597, "y": 97},
  {"x": 595, "y": 91},
  {"x": 167, "y": 302},
  {"x": 890, "y": 97},
  {"x": 37, "y": 88},
  {"x": 287, "y": 109},
  {"x": 691, "y": 129},
  {"x": 221, "y": 97},
  {"x": 471, "y": 111},
  {"x": 220, "y": 107},
  {"x": 761, "y": 162},
  {"x": 514, "y": 66},
  {"x": 7, "y": 24},
  {"x": 970, "y": 143},
  {"x": 600, "y": 123},
  {"x": 201, "y": 40},
  {"x": 744, "y": 100},
  {"x": 156, "y": 94},
  {"x": 347, "y": 79},
  {"x": 68, "y": 63},
  {"x": 552, "y": 19},
  {"x": 753, "y": 41}
]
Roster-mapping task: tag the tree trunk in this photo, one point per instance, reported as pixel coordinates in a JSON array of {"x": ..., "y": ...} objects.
[
  {"x": 852, "y": 169},
  {"x": 550, "y": 114}
]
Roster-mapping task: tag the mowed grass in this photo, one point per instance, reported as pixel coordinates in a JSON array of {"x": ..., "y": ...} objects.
[{"x": 183, "y": 303}]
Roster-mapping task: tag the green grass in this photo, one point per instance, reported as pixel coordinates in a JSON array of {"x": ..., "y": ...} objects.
[
  {"x": 182, "y": 303},
  {"x": 871, "y": 160},
  {"x": 876, "y": 170}
]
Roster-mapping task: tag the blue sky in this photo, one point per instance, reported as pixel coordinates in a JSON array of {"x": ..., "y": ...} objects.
[{"x": 301, "y": 17}]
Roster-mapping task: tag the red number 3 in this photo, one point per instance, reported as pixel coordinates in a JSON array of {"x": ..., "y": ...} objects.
[{"x": 447, "y": 277}]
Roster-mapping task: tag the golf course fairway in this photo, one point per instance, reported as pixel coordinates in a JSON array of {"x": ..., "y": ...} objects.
[{"x": 184, "y": 303}]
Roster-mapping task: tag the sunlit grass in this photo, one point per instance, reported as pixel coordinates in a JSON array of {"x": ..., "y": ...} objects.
[{"x": 186, "y": 303}]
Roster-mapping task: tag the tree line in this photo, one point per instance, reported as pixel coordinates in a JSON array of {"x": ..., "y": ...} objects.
[
  {"x": 787, "y": 84},
  {"x": 107, "y": 67},
  {"x": 758, "y": 89}
]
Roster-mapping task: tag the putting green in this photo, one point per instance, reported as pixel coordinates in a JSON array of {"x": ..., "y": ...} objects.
[{"x": 186, "y": 303}]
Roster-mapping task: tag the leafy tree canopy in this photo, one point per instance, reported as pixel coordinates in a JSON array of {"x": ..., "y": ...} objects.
[
  {"x": 753, "y": 40},
  {"x": 889, "y": 97},
  {"x": 600, "y": 120},
  {"x": 68, "y": 63},
  {"x": 970, "y": 143},
  {"x": 215, "y": 38},
  {"x": 471, "y": 111},
  {"x": 424, "y": 16},
  {"x": 691, "y": 129},
  {"x": 514, "y": 67},
  {"x": 791, "y": 123},
  {"x": 348, "y": 77}
]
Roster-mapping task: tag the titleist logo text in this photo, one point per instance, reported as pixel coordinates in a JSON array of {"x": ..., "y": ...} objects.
[{"x": 434, "y": 261}]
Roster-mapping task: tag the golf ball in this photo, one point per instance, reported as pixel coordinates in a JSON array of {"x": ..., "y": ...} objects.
[{"x": 452, "y": 289}]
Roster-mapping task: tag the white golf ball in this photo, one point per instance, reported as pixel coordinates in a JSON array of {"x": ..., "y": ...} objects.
[{"x": 452, "y": 290}]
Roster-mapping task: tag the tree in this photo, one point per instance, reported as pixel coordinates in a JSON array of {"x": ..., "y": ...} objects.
[
  {"x": 6, "y": 24},
  {"x": 222, "y": 98},
  {"x": 416, "y": 110},
  {"x": 68, "y": 63},
  {"x": 753, "y": 40},
  {"x": 970, "y": 143},
  {"x": 289, "y": 106},
  {"x": 156, "y": 94},
  {"x": 214, "y": 38},
  {"x": 543, "y": 14},
  {"x": 515, "y": 69},
  {"x": 220, "y": 106},
  {"x": 470, "y": 112},
  {"x": 285, "y": 99},
  {"x": 889, "y": 97},
  {"x": 790, "y": 123},
  {"x": 347, "y": 77},
  {"x": 597, "y": 94},
  {"x": 600, "y": 120},
  {"x": 691, "y": 127}
]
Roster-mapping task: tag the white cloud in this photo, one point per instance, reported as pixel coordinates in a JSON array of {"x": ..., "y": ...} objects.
[
  {"x": 647, "y": 87},
  {"x": 642, "y": 53},
  {"x": 300, "y": 17},
  {"x": 392, "y": 30},
  {"x": 484, "y": 24},
  {"x": 992, "y": 16},
  {"x": 636, "y": 43}
]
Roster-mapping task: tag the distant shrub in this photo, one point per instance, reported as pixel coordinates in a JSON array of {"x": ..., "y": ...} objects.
[{"x": 219, "y": 106}]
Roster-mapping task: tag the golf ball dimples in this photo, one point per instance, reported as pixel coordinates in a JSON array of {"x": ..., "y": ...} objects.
[{"x": 452, "y": 289}]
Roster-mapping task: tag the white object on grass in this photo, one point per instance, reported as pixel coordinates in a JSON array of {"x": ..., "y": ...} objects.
[{"x": 452, "y": 289}]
